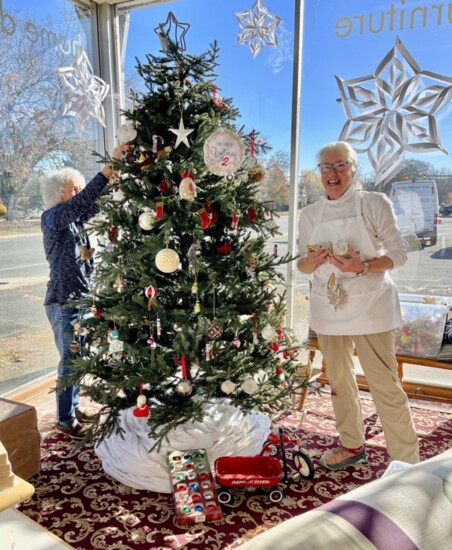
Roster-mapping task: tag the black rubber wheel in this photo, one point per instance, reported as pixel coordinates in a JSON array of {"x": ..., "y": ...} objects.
[
  {"x": 303, "y": 464},
  {"x": 224, "y": 497},
  {"x": 275, "y": 495}
]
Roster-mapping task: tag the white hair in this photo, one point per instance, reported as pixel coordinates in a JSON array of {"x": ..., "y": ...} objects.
[
  {"x": 342, "y": 147},
  {"x": 52, "y": 187}
]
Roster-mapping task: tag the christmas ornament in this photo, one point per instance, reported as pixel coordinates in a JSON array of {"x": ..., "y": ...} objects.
[
  {"x": 84, "y": 92},
  {"x": 217, "y": 99},
  {"x": 142, "y": 408},
  {"x": 158, "y": 211},
  {"x": 268, "y": 333},
  {"x": 228, "y": 387},
  {"x": 224, "y": 152},
  {"x": 116, "y": 348},
  {"x": 85, "y": 253},
  {"x": 182, "y": 134},
  {"x": 184, "y": 387},
  {"x": 275, "y": 251},
  {"x": 274, "y": 347},
  {"x": 119, "y": 284},
  {"x": 167, "y": 260},
  {"x": 341, "y": 248},
  {"x": 118, "y": 194},
  {"x": 256, "y": 173},
  {"x": 112, "y": 234},
  {"x": 146, "y": 219},
  {"x": 337, "y": 296},
  {"x": 187, "y": 189},
  {"x": 75, "y": 346},
  {"x": 214, "y": 331},
  {"x": 205, "y": 218},
  {"x": 394, "y": 110},
  {"x": 236, "y": 342},
  {"x": 250, "y": 386},
  {"x": 155, "y": 143},
  {"x": 150, "y": 292},
  {"x": 165, "y": 186},
  {"x": 257, "y": 27},
  {"x": 208, "y": 351},
  {"x": 126, "y": 132},
  {"x": 176, "y": 28},
  {"x": 252, "y": 215}
]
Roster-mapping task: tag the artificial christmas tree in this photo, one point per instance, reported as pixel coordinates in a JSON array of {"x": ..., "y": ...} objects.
[{"x": 186, "y": 308}]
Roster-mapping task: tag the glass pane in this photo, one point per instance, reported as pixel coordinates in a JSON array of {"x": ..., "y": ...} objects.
[
  {"x": 381, "y": 80},
  {"x": 36, "y": 39}
]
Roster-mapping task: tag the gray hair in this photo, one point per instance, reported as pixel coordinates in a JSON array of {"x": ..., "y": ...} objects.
[
  {"x": 342, "y": 147},
  {"x": 53, "y": 185}
]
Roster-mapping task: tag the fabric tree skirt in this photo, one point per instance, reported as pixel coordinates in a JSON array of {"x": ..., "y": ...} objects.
[{"x": 225, "y": 431}]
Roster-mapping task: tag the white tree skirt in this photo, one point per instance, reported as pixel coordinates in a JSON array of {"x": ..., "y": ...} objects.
[{"x": 225, "y": 431}]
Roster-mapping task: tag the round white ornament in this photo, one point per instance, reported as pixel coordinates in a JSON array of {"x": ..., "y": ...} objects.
[
  {"x": 167, "y": 260},
  {"x": 126, "y": 132},
  {"x": 228, "y": 387},
  {"x": 250, "y": 386},
  {"x": 268, "y": 333},
  {"x": 146, "y": 220},
  {"x": 341, "y": 248},
  {"x": 187, "y": 189},
  {"x": 224, "y": 152}
]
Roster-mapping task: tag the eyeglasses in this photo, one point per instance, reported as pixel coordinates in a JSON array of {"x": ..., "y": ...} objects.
[{"x": 340, "y": 166}]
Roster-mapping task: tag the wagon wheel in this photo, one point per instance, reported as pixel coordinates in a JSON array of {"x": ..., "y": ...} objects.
[
  {"x": 275, "y": 495},
  {"x": 271, "y": 449},
  {"x": 224, "y": 497},
  {"x": 303, "y": 464}
]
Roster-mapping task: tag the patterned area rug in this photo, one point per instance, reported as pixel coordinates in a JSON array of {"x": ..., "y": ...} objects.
[{"x": 89, "y": 510}]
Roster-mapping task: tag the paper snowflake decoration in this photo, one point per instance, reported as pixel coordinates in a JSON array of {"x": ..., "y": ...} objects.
[
  {"x": 84, "y": 92},
  {"x": 257, "y": 27},
  {"x": 394, "y": 110}
]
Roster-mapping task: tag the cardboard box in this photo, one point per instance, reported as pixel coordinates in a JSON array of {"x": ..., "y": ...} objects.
[
  {"x": 21, "y": 438},
  {"x": 194, "y": 493}
]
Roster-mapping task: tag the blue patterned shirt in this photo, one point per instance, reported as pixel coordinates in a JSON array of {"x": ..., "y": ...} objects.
[{"x": 63, "y": 234}]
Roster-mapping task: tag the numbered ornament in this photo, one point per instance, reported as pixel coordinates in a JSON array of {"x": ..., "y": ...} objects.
[
  {"x": 187, "y": 189},
  {"x": 167, "y": 260},
  {"x": 268, "y": 333},
  {"x": 146, "y": 220},
  {"x": 224, "y": 152}
]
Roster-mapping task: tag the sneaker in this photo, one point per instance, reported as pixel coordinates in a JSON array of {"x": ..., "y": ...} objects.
[
  {"x": 84, "y": 417},
  {"x": 336, "y": 459},
  {"x": 74, "y": 430}
]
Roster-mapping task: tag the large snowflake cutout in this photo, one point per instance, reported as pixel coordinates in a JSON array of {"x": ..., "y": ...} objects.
[
  {"x": 257, "y": 27},
  {"x": 84, "y": 92},
  {"x": 394, "y": 110}
]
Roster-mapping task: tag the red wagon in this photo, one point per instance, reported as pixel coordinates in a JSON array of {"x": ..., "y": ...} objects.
[{"x": 263, "y": 470}]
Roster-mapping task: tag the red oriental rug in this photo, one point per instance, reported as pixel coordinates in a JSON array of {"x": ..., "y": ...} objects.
[{"x": 89, "y": 510}]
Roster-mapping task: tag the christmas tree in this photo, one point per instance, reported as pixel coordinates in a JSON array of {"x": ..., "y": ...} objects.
[{"x": 187, "y": 307}]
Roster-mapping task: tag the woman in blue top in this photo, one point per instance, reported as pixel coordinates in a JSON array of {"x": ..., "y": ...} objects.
[{"x": 69, "y": 204}]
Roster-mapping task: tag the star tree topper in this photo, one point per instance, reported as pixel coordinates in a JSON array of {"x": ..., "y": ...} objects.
[
  {"x": 84, "y": 92},
  {"x": 394, "y": 110},
  {"x": 174, "y": 27},
  {"x": 182, "y": 134},
  {"x": 257, "y": 27}
]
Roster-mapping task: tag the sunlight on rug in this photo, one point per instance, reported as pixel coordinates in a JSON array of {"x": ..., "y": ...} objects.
[{"x": 80, "y": 503}]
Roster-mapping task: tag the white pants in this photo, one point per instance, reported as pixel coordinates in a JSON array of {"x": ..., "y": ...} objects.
[{"x": 377, "y": 357}]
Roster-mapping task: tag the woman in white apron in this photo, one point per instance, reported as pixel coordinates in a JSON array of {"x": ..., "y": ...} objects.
[{"x": 348, "y": 241}]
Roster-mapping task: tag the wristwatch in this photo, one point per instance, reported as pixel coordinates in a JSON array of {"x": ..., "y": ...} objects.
[{"x": 365, "y": 270}]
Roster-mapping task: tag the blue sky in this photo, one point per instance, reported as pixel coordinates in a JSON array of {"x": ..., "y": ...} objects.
[{"x": 261, "y": 87}]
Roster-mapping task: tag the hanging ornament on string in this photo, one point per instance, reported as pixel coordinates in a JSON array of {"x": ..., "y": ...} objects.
[
  {"x": 224, "y": 152},
  {"x": 194, "y": 290},
  {"x": 151, "y": 341},
  {"x": 167, "y": 260},
  {"x": 84, "y": 92},
  {"x": 214, "y": 329},
  {"x": 268, "y": 333},
  {"x": 250, "y": 386},
  {"x": 187, "y": 188},
  {"x": 120, "y": 284},
  {"x": 146, "y": 219},
  {"x": 217, "y": 99},
  {"x": 181, "y": 133},
  {"x": 257, "y": 27},
  {"x": 142, "y": 408},
  {"x": 151, "y": 293},
  {"x": 184, "y": 387},
  {"x": 117, "y": 346}
]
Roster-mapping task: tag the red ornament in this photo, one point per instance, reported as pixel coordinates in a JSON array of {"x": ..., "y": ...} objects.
[
  {"x": 158, "y": 211},
  {"x": 165, "y": 186},
  {"x": 251, "y": 214},
  {"x": 205, "y": 218},
  {"x": 226, "y": 247},
  {"x": 151, "y": 292},
  {"x": 274, "y": 347},
  {"x": 212, "y": 213},
  {"x": 142, "y": 408},
  {"x": 113, "y": 234}
]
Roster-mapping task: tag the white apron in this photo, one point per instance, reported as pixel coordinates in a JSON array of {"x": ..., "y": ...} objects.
[{"x": 372, "y": 303}]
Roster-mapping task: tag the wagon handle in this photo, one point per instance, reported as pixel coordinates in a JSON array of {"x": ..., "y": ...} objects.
[{"x": 285, "y": 478}]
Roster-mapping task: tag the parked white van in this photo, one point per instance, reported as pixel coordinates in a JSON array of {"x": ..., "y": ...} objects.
[{"x": 416, "y": 206}]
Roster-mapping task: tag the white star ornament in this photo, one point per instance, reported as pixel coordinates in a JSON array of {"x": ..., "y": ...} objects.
[{"x": 182, "y": 134}]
